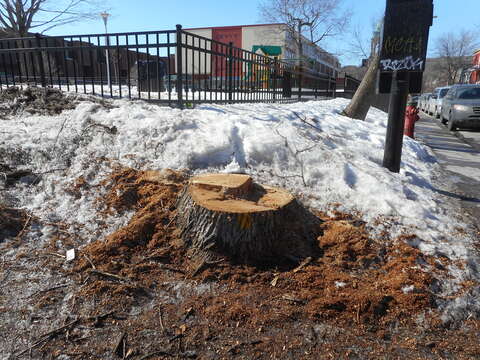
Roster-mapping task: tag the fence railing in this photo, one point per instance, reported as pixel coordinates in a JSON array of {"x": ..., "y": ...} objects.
[
  {"x": 347, "y": 86},
  {"x": 172, "y": 67}
]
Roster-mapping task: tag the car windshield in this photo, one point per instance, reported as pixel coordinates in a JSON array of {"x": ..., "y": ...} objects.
[
  {"x": 442, "y": 93},
  {"x": 470, "y": 94}
]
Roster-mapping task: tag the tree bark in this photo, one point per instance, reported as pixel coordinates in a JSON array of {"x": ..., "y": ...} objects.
[
  {"x": 363, "y": 98},
  {"x": 231, "y": 216}
]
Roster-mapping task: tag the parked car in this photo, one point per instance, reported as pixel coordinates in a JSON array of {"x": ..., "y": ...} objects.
[
  {"x": 431, "y": 103},
  {"x": 414, "y": 99},
  {"x": 435, "y": 102},
  {"x": 424, "y": 101},
  {"x": 461, "y": 107},
  {"x": 420, "y": 99}
]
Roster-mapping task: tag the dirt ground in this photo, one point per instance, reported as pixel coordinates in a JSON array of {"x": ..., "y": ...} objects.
[{"x": 137, "y": 294}]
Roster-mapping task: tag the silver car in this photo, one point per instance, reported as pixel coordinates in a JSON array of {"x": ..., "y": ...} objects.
[
  {"x": 435, "y": 103},
  {"x": 424, "y": 101},
  {"x": 461, "y": 107}
]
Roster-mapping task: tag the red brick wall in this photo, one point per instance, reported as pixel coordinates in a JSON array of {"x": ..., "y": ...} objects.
[
  {"x": 476, "y": 59},
  {"x": 475, "y": 76}
]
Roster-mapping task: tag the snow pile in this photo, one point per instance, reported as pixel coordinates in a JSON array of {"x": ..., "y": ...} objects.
[{"x": 330, "y": 161}]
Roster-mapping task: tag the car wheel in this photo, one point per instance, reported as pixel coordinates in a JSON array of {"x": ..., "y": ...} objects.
[
  {"x": 451, "y": 124},
  {"x": 442, "y": 119}
]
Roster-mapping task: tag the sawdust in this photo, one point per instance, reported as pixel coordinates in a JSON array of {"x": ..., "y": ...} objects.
[
  {"x": 356, "y": 279},
  {"x": 140, "y": 285}
]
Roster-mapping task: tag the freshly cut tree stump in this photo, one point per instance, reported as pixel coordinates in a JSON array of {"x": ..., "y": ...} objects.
[{"x": 231, "y": 215}]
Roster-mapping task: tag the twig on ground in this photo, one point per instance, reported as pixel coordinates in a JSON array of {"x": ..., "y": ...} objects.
[
  {"x": 47, "y": 336},
  {"x": 175, "y": 338},
  {"x": 47, "y": 290},
  {"x": 293, "y": 299},
  {"x": 304, "y": 263},
  {"x": 101, "y": 317},
  {"x": 20, "y": 234},
  {"x": 171, "y": 221},
  {"x": 109, "y": 130},
  {"x": 304, "y": 120},
  {"x": 155, "y": 353},
  {"x": 106, "y": 274},
  {"x": 56, "y": 254},
  {"x": 51, "y": 170},
  {"x": 59, "y": 132},
  {"x": 161, "y": 320},
  {"x": 295, "y": 156},
  {"x": 90, "y": 261}
]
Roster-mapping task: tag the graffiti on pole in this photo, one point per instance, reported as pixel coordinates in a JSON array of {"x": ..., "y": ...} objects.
[
  {"x": 404, "y": 41},
  {"x": 407, "y": 64}
]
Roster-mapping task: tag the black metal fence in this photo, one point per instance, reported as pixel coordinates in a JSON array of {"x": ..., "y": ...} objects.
[
  {"x": 347, "y": 86},
  {"x": 172, "y": 67}
]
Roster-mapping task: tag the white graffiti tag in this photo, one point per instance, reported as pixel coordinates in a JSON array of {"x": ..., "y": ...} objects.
[{"x": 405, "y": 64}]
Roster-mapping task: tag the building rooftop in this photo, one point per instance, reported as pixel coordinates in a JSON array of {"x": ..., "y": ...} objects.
[{"x": 230, "y": 26}]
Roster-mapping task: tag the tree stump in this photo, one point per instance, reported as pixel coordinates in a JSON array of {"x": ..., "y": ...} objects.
[{"x": 231, "y": 215}]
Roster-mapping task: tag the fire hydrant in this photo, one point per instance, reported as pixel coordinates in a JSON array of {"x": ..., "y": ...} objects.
[{"x": 411, "y": 116}]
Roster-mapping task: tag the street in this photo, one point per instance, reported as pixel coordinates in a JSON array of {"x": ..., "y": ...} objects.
[
  {"x": 471, "y": 137},
  {"x": 459, "y": 154}
]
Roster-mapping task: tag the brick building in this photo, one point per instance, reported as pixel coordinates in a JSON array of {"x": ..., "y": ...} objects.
[
  {"x": 475, "y": 74},
  {"x": 272, "y": 40}
]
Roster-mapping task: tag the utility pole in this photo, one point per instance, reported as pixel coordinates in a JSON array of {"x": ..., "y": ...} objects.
[
  {"x": 105, "y": 16},
  {"x": 402, "y": 62}
]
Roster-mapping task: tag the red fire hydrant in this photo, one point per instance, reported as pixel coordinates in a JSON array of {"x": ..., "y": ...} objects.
[{"x": 411, "y": 116}]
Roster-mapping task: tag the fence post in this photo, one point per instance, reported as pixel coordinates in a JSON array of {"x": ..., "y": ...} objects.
[
  {"x": 275, "y": 75},
  {"x": 300, "y": 75},
  {"x": 178, "y": 55},
  {"x": 230, "y": 72},
  {"x": 40, "y": 61},
  {"x": 334, "y": 80}
]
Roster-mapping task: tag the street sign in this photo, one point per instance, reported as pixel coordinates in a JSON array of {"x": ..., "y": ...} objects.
[{"x": 404, "y": 42}]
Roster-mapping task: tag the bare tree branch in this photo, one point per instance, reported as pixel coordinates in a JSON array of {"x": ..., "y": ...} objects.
[
  {"x": 320, "y": 18},
  {"x": 454, "y": 51},
  {"x": 18, "y": 17}
]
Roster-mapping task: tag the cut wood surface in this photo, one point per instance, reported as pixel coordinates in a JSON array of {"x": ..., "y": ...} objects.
[
  {"x": 236, "y": 193},
  {"x": 231, "y": 215}
]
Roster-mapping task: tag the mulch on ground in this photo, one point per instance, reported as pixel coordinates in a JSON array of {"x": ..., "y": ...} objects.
[{"x": 139, "y": 295}]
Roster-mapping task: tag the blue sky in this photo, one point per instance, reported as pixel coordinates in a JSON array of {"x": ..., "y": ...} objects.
[{"x": 140, "y": 15}]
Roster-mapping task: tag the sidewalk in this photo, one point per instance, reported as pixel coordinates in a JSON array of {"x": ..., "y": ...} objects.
[{"x": 460, "y": 160}]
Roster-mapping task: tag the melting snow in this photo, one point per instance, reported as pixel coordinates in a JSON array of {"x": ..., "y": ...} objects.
[{"x": 330, "y": 161}]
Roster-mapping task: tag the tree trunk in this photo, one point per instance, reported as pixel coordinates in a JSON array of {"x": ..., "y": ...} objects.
[
  {"x": 229, "y": 215},
  {"x": 363, "y": 98}
]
